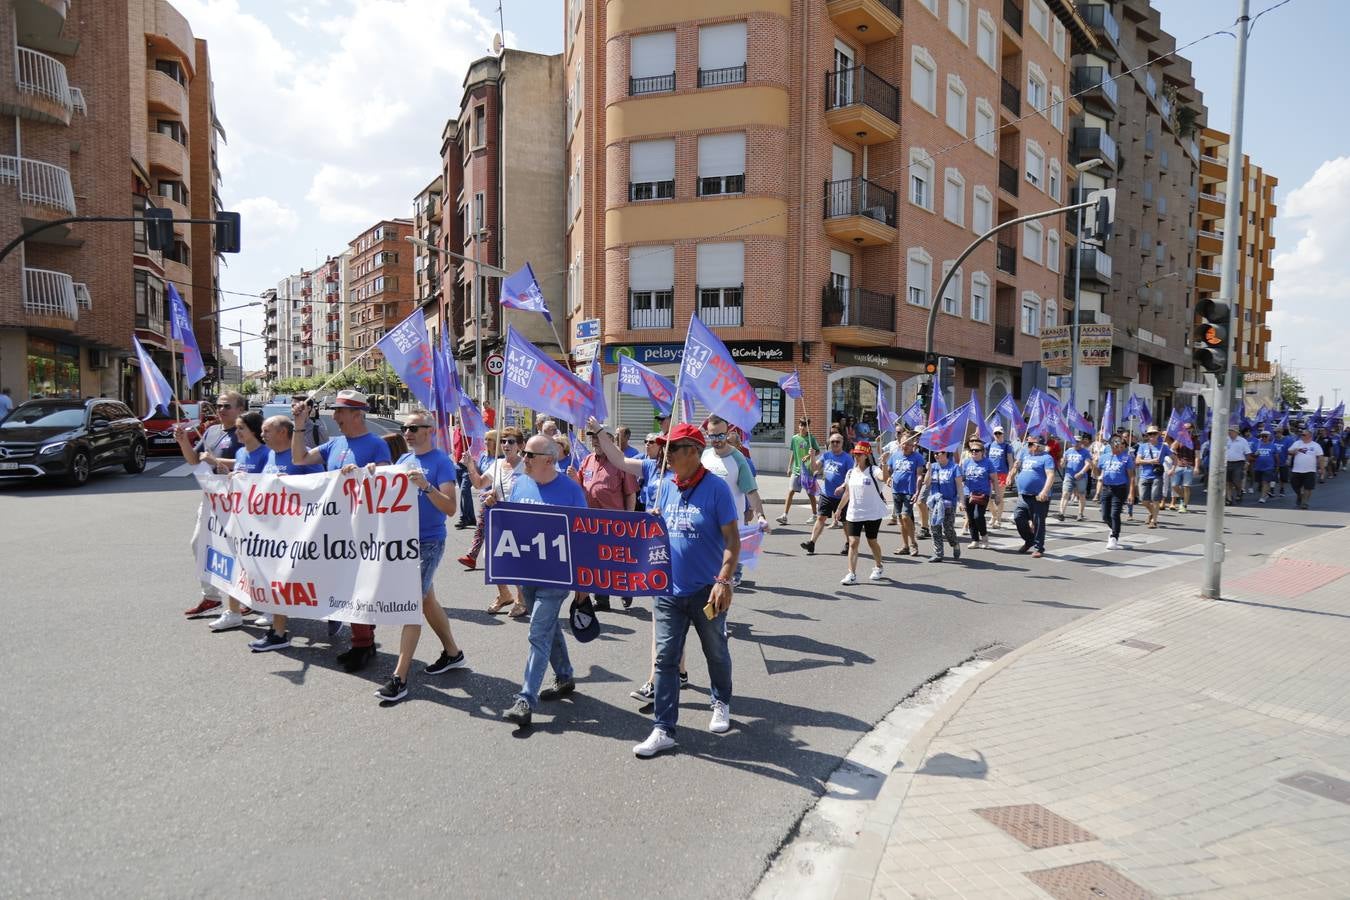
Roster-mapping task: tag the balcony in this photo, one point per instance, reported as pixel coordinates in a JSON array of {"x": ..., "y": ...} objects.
[
  {"x": 1095, "y": 87},
  {"x": 867, "y": 21},
  {"x": 44, "y": 92},
  {"x": 859, "y": 211},
  {"x": 721, "y": 307},
  {"x": 862, "y": 106},
  {"x": 1207, "y": 279},
  {"x": 1162, "y": 206},
  {"x": 166, "y": 155},
  {"x": 1150, "y": 144},
  {"x": 44, "y": 189},
  {"x": 1005, "y": 258},
  {"x": 1146, "y": 193},
  {"x": 1012, "y": 14},
  {"x": 83, "y": 299},
  {"x": 651, "y": 309},
  {"x": 855, "y": 317},
  {"x": 1212, "y": 205},
  {"x": 721, "y": 77},
  {"x": 51, "y": 294},
  {"x": 1008, "y": 179},
  {"x": 1210, "y": 242},
  {"x": 1212, "y": 167},
  {"x": 1011, "y": 97},
  {"x": 1100, "y": 19},
  {"x": 1096, "y": 266},
  {"x": 651, "y": 84},
  {"x": 1094, "y": 143},
  {"x": 164, "y": 94},
  {"x": 39, "y": 24},
  {"x": 77, "y": 101}
]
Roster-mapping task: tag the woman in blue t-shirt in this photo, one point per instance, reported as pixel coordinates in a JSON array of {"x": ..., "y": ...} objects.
[
  {"x": 975, "y": 474},
  {"x": 252, "y": 455},
  {"x": 942, "y": 488},
  {"x": 1114, "y": 469}
]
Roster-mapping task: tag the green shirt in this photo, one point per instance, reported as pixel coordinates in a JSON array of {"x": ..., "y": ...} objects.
[{"x": 800, "y": 447}]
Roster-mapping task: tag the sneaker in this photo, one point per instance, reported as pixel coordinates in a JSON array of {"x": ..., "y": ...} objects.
[
  {"x": 877, "y": 575},
  {"x": 657, "y": 742},
  {"x": 647, "y": 693},
  {"x": 684, "y": 680},
  {"x": 468, "y": 562},
  {"x": 560, "y": 688},
  {"x": 270, "y": 641},
  {"x": 850, "y": 578},
  {"x": 956, "y": 551},
  {"x": 227, "y": 621},
  {"x": 1113, "y": 543},
  {"x": 600, "y": 603},
  {"x": 735, "y": 583},
  {"x": 263, "y": 620},
  {"x": 721, "y": 718},
  {"x": 335, "y": 627},
  {"x": 518, "y": 713},
  {"x": 1262, "y": 500},
  {"x": 202, "y": 608},
  {"x": 924, "y": 534},
  {"x": 356, "y": 659},
  {"x": 445, "y": 662},
  {"x": 935, "y": 558},
  {"x": 628, "y": 601},
  {"x": 843, "y": 551},
  {"x": 781, "y": 520},
  {"x": 1025, "y": 547},
  {"x": 460, "y": 526},
  {"x": 394, "y": 690},
  {"x": 1036, "y": 554},
  {"x": 809, "y": 546}
]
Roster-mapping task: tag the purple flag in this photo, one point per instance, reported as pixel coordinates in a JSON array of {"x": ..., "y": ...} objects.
[
  {"x": 791, "y": 385},
  {"x": 470, "y": 419},
  {"x": 977, "y": 419},
  {"x": 949, "y": 432},
  {"x": 595, "y": 377},
  {"x": 1077, "y": 421},
  {"x": 886, "y": 419},
  {"x": 937, "y": 407},
  {"x": 1176, "y": 432},
  {"x": 445, "y": 392},
  {"x": 407, "y": 349},
  {"x": 520, "y": 290},
  {"x": 193, "y": 367},
  {"x": 1044, "y": 415},
  {"x": 640, "y": 381},
  {"x": 913, "y": 417},
  {"x": 1109, "y": 414},
  {"x": 1135, "y": 407},
  {"x": 710, "y": 374},
  {"x": 158, "y": 394},
  {"x": 534, "y": 380},
  {"x": 1012, "y": 417}
]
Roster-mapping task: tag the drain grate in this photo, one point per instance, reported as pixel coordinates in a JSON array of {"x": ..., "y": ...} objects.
[
  {"x": 1141, "y": 645},
  {"x": 1035, "y": 826},
  {"x": 1320, "y": 784},
  {"x": 1087, "y": 881}
]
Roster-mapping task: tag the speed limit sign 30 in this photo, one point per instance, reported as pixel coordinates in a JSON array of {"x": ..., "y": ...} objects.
[{"x": 496, "y": 364}]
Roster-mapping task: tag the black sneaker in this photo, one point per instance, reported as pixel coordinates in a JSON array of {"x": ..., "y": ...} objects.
[
  {"x": 1025, "y": 548},
  {"x": 843, "y": 551},
  {"x": 809, "y": 546},
  {"x": 935, "y": 558},
  {"x": 684, "y": 680},
  {"x": 560, "y": 688},
  {"x": 627, "y": 602},
  {"x": 956, "y": 551},
  {"x": 394, "y": 690},
  {"x": 357, "y": 658},
  {"x": 518, "y": 713},
  {"x": 647, "y": 693},
  {"x": 271, "y": 641},
  {"x": 445, "y": 662},
  {"x": 600, "y": 602}
]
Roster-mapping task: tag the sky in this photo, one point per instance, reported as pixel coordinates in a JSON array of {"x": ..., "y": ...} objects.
[{"x": 334, "y": 111}]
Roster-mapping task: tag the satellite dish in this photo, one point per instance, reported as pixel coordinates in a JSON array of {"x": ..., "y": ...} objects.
[{"x": 497, "y": 44}]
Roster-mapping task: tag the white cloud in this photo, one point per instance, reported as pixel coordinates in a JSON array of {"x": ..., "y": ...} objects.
[{"x": 267, "y": 219}]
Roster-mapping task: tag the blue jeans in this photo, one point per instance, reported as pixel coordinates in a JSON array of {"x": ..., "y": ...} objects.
[
  {"x": 430, "y": 553},
  {"x": 466, "y": 514},
  {"x": 673, "y": 617},
  {"x": 1029, "y": 517},
  {"x": 546, "y": 640}
]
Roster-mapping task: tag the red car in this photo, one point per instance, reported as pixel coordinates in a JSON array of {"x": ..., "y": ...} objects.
[{"x": 159, "y": 429}]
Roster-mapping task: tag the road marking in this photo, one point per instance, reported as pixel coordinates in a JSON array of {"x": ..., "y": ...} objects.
[
  {"x": 183, "y": 469},
  {"x": 1068, "y": 554}
]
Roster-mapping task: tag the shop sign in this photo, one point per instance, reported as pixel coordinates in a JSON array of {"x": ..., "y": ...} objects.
[
  {"x": 744, "y": 352},
  {"x": 873, "y": 359},
  {"x": 1056, "y": 348},
  {"x": 1094, "y": 345}
]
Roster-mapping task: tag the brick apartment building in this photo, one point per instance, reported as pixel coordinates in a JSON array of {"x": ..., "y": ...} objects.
[
  {"x": 380, "y": 287},
  {"x": 108, "y": 108},
  {"x": 427, "y": 292},
  {"x": 305, "y": 327}
]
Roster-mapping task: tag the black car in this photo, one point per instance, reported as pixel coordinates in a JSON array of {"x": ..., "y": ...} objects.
[{"x": 69, "y": 439}]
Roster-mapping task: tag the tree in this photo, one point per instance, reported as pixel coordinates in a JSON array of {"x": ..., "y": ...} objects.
[
  {"x": 1292, "y": 391},
  {"x": 248, "y": 388}
]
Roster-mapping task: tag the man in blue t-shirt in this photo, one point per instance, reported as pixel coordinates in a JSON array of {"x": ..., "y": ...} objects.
[
  {"x": 1000, "y": 462},
  {"x": 1034, "y": 475},
  {"x": 541, "y": 484},
  {"x": 702, "y": 521},
  {"x": 1149, "y": 459},
  {"x": 906, "y": 467},
  {"x": 277, "y": 434},
  {"x": 832, "y": 468},
  {"x": 354, "y": 447},
  {"x": 1266, "y": 456},
  {"x": 1076, "y": 461}
]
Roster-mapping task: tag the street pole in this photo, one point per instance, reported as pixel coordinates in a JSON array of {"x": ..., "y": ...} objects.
[
  {"x": 1223, "y": 388},
  {"x": 1077, "y": 302},
  {"x": 478, "y": 328}
]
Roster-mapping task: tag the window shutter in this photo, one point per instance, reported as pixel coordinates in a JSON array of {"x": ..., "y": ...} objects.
[
  {"x": 841, "y": 263},
  {"x": 721, "y": 265},
  {"x": 651, "y": 161},
  {"x": 721, "y": 154},
  {"x": 651, "y": 268},
  {"x": 652, "y": 54},
  {"x": 720, "y": 46}
]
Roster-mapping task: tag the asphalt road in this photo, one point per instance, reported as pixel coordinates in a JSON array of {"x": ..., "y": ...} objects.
[{"x": 146, "y": 756}]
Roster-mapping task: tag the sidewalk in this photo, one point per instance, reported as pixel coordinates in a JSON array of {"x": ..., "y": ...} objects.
[{"x": 1168, "y": 746}]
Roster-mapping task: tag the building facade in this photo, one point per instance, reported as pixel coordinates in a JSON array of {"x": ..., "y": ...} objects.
[
  {"x": 427, "y": 294},
  {"x": 380, "y": 287}
]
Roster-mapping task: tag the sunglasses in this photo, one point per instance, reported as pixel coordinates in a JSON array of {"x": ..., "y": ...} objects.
[
  {"x": 530, "y": 454},
  {"x": 722, "y": 436},
  {"x": 976, "y": 449},
  {"x": 509, "y": 441},
  {"x": 414, "y": 427}
]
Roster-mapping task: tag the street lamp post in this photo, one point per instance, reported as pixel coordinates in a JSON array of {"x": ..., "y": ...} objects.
[
  {"x": 1082, "y": 167},
  {"x": 220, "y": 329},
  {"x": 1279, "y": 374}
]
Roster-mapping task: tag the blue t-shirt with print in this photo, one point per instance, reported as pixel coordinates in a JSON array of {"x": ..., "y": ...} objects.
[
  {"x": 251, "y": 460},
  {"x": 1033, "y": 472},
  {"x": 439, "y": 468},
  {"x": 833, "y": 470},
  {"x": 975, "y": 474},
  {"x": 1148, "y": 458},
  {"x": 1266, "y": 456},
  {"x": 695, "y": 519},
  {"x": 905, "y": 471},
  {"x": 942, "y": 480},
  {"x": 361, "y": 451},
  {"x": 651, "y": 469},
  {"x": 281, "y": 462},
  {"x": 561, "y": 491},
  {"x": 1075, "y": 462},
  {"x": 998, "y": 456},
  {"x": 631, "y": 452},
  {"x": 1116, "y": 468}
]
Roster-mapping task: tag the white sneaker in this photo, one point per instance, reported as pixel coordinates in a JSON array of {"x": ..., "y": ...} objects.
[
  {"x": 781, "y": 520},
  {"x": 850, "y": 578},
  {"x": 721, "y": 718},
  {"x": 876, "y": 575},
  {"x": 227, "y": 621},
  {"x": 1113, "y": 543},
  {"x": 263, "y": 620},
  {"x": 656, "y": 742}
]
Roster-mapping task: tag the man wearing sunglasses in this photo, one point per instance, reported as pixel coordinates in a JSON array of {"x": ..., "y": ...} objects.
[
  {"x": 1034, "y": 475},
  {"x": 217, "y": 446},
  {"x": 729, "y": 464},
  {"x": 832, "y": 467}
]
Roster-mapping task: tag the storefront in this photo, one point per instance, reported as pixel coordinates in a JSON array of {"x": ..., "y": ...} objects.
[
  {"x": 53, "y": 368},
  {"x": 856, "y": 376}
]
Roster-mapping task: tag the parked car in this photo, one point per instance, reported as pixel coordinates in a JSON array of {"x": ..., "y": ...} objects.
[
  {"x": 159, "y": 428},
  {"x": 69, "y": 439}
]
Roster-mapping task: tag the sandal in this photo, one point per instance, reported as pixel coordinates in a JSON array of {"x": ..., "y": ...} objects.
[
  {"x": 518, "y": 611},
  {"x": 497, "y": 607}
]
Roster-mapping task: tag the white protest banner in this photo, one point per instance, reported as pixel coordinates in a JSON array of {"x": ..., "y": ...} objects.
[{"x": 323, "y": 546}]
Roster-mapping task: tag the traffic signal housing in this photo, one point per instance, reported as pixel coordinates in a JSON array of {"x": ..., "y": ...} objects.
[
  {"x": 1211, "y": 335},
  {"x": 227, "y": 232},
  {"x": 946, "y": 379},
  {"x": 159, "y": 228}
]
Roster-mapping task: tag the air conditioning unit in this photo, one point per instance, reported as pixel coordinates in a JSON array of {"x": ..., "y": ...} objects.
[{"x": 98, "y": 359}]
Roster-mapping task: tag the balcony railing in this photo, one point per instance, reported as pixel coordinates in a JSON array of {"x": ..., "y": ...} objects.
[
  {"x": 1007, "y": 177},
  {"x": 721, "y": 307},
  {"x": 651, "y": 84},
  {"x": 1217, "y": 235},
  {"x": 1012, "y": 14},
  {"x": 856, "y": 84},
  {"x": 1005, "y": 258},
  {"x": 83, "y": 299},
  {"x": 1092, "y": 78},
  {"x": 1217, "y": 198},
  {"x": 40, "y": 183},
  {"x": 1150, "y": 84},
  {"x": 1212, "y": 273},
  {"x": 1101, "y": 20},
  {"x": 1096, "y": 264},
  {"x": 77, "y": 101},
  {"x": 49, "y": 293},
  {"x": 719, "y": 77},
  {"x": 44, "y": 76},
  {"x": 1011, "y": 97},
  {"x": 857, "y": 307},
  {"x": 859, "y": 197},
  {"x": 1091, "y": 143},
  {"x": 651, "y": 309}
]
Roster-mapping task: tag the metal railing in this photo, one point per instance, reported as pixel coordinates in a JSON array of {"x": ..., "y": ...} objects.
[
  {"x": 40, "y": 183},
  {"x": 651, "y": 84},
  {"x": 1095, "y": 141},
  {"x": 859, "y": 197},
  {"x": 1008, "y": 178},
  {"x": 856, "y": 84},
  {"x": 1011, "y": 97},
  {"x": 1217, "y": 235},
  {"x": 1217, "y": 198},
  {"x": 1096, "y": 263},
  {"x": 1101, "y": 18},
  {"x": 49, "y": 293},
  {"x": 1012, "y": 14},
  {"x": 728, "y": 313},
  {"x": 1212, "y": 273},
  {"x": 657, "y": 311},
  {"x": 77, "y": 101},
  {"x": 1087, "y": 78},
  {"x": 1005, "y": 258},
  {"x": 858, "y": 307},
  {"x": 43, "y": 76},
  {"x": 82, "y": 297},
  {"x": 1150, "y": 84},
  {"x": 718, "y": 77}
]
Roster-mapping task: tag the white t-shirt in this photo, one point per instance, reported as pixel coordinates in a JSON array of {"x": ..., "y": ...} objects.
[
  {"x": 734, "y": 471},
  {"x": 1303, "y": 456},
  {"x": 865, "y": 500},
  {"x": 1237, "y": 450},
  {"x": 503, "y": 476}
]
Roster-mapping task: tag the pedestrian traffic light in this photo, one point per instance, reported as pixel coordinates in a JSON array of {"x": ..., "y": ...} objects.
[
  {"x": 926, "y": 395},
  {"x": 227, "y": 232},
  {"x": 1211, "y": 335},
  {"x": 159, "y": 228}
]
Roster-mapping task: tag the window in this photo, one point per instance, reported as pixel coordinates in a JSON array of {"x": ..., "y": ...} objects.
[
  {"x": 1032, "y": 235},
  {"x": 986, "y": 39},
  {"x": 138, "y": 205},
  {"x": 575, "y": 284},
  {"x": 652, "y": 63},
  {"x": 1031, "y": 314},
  {"x": 1039, "y": 16},
  {"x": 479, "y": 201},
  {"x": 982, "y": 210},
  {"x": 923, "y": 80},
  {"x": 721, "y": 164},
  {"x": 171, "y": 68},
  {"x": 721, "y": 283},
  {"x": 651, "y": 287},
  {"x": 1036, "y": 87},
  {"x": 479, "y": 127},
  {"x": 1057, "y": 109},
  {"x": 954, "y": 197},
  {"x": 920, "y": 178},
  {"x": 956, "y": 104},
  {"x": 172, "y": 190},
  {"x": 918, "y": 277},
  {"x": 958, "y": 19},
  {"x": 986, "y": 133},
  {"x": 173, "y": 130},
  {"x": 930, "y": 5},
  {"x": 1052, "y": 186},
  {"x": 951, "y": 297},
  {"x": 1057, "y": 39},
  {"x": 1052, "y": 251},
  {"x": 721, "y": 54},
  {"x": 1035, "y": 165},
  {"x": 979, "y": 297},
  {"x": 651, "y": 170},
  {"x": 1051, "y": 313},
  {"x": 574, "y": 186}
]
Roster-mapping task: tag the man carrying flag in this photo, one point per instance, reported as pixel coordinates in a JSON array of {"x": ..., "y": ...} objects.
[{"x": 802, "y": 450}]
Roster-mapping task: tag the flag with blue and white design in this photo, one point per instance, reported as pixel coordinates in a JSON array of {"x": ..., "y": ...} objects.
[
  {"x": 158, "y": 394},
  {"x": 520, "y": 290},
  {"x": 193, "y": 367},
  {"x": 791, "y": 385}
]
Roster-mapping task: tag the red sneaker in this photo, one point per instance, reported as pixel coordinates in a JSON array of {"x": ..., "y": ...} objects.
[
  {"x": 202, "y": 608},
  {"x": 468, "y": 562}
]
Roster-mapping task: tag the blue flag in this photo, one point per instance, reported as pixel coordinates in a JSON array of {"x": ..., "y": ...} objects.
[
  {"x": 536, "y": 381},
  {"x": 886, "y": 419},
  {"x": 1044, "y": 415},
  {"x": 1109, "y": 414},
  {"x": 977, "y": 419},
  {"x": 1187, "y": 414},
  {"x": 710, "y": 374},
  {"x": 791, "y": 385},
  {"x": 949, "y": 432},
  {"x": 407, "y": 349},
  {"x": 596, "y": 379},
  {"x": 1136, "y": 408},
  {"x": 640, "y": 381},
  {"x": 1077, "y": 421},
  {"x": 445, "y": 392},
  {"x": 521, "y": 291},
  {"x": 193, "y": 367},
  {"x": 158, "y": 394},
  {"x": 937, "y": 406},
  {"x": 1012, "y": 417},
  {"x": 470, "y": 419},
  {"x": 1176, "y": 432}
]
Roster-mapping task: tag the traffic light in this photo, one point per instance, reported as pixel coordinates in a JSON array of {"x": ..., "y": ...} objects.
[
  {"x": 1211, "y": 333},
  {"x": 926, "y": 396},
  {"x": 930, "y": 364},
  {"x": 159, "y": 228},
  {"x": 227, "y": 232},
  {"x": 1103, "y": 215},
  {"x": 946, "y": 379}
]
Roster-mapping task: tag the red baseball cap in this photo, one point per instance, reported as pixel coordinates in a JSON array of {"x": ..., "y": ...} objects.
[
  {"x": 862, "y": 448},
  {"x": 686, "y": 432}
]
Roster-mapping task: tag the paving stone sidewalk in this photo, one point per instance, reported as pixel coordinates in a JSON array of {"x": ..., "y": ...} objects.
[{"x": 1166, "y": 747}]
